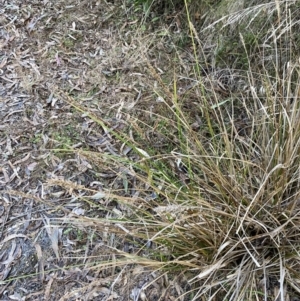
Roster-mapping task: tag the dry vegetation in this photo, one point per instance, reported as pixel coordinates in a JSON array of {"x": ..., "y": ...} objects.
[{"x": 148, "y": 153}]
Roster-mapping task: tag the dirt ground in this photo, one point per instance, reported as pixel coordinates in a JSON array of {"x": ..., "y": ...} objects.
[{"x": 92, "y": 52}]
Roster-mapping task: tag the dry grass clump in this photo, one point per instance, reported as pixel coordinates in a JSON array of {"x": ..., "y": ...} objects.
[
  {"x": 212, "y": 184},
  {"x": 219, "y": 199},
  {"x": 226, "y": 203}
]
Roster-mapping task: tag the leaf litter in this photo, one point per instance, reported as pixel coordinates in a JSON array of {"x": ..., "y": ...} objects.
[{"x": 51, "y": 195}]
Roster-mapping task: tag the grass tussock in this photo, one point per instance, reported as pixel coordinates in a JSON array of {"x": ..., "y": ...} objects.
[
  {"x": 209, "y": 183},
  {"x": 222, "y": 203}
]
